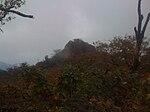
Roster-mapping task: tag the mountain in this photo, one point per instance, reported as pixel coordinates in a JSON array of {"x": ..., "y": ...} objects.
[
  {"x": 73, "y": 47},
  {"x": 4, "y": 66}
]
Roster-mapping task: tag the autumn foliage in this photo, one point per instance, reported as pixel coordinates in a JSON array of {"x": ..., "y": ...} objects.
[{"x": 98, "y": 80}]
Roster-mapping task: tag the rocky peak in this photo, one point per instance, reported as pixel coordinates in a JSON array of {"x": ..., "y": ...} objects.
[{"x": 78, "y": 46}]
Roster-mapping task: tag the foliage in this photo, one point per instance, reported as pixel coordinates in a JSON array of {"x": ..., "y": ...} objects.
[
  {"x": 96, "y": 91},
  {"x": 121, "y": 51},
  {"x": 81, "y": 77},
  {"x": 85, "y": 82},
  {"x": 7, "y": 7}
]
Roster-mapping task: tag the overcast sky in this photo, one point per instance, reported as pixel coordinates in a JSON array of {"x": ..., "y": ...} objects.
[{"x": 58, "y": 21}]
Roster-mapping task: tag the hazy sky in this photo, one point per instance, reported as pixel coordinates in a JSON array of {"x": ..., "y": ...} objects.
[{"x": 58, "y": 21}]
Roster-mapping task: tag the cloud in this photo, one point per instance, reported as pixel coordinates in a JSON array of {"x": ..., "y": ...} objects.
[{"x": 58, "y": 21}]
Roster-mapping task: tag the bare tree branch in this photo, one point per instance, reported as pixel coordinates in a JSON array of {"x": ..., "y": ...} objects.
[
  {"x": 136, "y": 33},
  {"x": 139, "y": 33},
  {"x": 140, "y": 16},
  {"x": 16, "y": 12},
  {"x": 146, "y": 23}
]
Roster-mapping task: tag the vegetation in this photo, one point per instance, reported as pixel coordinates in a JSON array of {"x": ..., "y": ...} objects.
[
  {"x": 139, "y": 34},
  {"x": 103, "y": 77},
  {"x": 7, "y": 7},
  {"x": 84, "y": 82}
]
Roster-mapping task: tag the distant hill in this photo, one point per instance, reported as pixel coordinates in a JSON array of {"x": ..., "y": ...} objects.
[
  {"x": 3, "y": 72},
  {"x": 4, "y": 66}
]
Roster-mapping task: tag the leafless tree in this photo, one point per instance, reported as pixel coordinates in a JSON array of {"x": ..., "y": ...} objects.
[{"x": 139, "y": 34}]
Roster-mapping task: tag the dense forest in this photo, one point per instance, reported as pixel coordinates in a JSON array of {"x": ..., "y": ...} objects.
[
  {"x": 81, "y": 78},
  {"x": 112, "y": 76}
]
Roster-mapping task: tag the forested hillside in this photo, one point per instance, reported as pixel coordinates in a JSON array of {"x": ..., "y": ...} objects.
[{"x": 81, "y": 78}]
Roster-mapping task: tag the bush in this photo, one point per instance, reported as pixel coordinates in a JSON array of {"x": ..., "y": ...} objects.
[{"x": 96, "y": 91}]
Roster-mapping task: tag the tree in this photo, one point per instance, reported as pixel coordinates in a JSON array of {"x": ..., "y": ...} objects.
[
  {"x": 139, "y": 34},
  {"x": 120, "y": 51},
  {"x": 10, "y": 6}
]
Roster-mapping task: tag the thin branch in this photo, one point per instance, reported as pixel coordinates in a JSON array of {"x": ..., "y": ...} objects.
[
  {"x": 146, "y": 23},
  {"x": 16, "y": 12},
  {"x": 140, "y": 16},
  {"x": 139, "y": 7},
  {"x": 1, "y": 30},
  {"x": 136, "y": 33}
]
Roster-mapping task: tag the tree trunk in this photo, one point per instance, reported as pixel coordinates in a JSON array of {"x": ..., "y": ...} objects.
[{"x": 136, "y": 59}]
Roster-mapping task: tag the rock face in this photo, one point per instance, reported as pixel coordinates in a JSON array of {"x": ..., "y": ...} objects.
[{"x": 78, "y": 46}]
